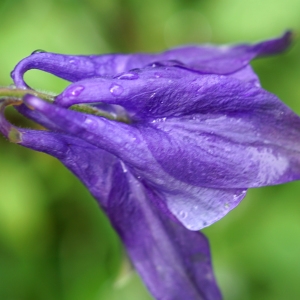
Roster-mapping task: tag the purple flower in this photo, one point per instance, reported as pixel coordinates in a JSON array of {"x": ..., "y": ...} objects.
[{"x": 173, "y": 142}]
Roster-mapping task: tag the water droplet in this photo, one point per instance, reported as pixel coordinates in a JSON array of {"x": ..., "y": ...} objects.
[
  {"x": 91, "y": 124},
  {"x": 128, "y": 76},
  {"x": 74, "y": 91},
  {"x": 124, "y": 167},
  {"x": 156, "y": 64},
  {"x": 38, "y": 51},
  {"x": 235, "y": 196},
  {"x": 183, "y": 214},
  {"x": 116, "y": 89},
  {"x": 160, "y": 120},
  {"x": 226, "y": 205},
  {"x": 257, "y": 84}
]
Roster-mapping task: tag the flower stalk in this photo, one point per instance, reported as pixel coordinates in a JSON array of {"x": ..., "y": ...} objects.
[{"x": 14, "y": 96}]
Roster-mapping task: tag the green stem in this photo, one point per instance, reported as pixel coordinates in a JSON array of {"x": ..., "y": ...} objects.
[
  {"x": 18, "y": 94},
  {"x": 14, "y": 96}
]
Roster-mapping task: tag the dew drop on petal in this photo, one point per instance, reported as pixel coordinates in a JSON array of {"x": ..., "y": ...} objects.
[
  {"x": 116, "y": 89},
  {"x": 74, "y": 91},
  {"x": 91, "y": 124},
  {"x": 128, "y": 76},
  {"x": 183, "y": 214},
  {"x": 235, "y": 196},
  {"x": 124, "y": 167},
  {"x": 38, "y": 51},
  {"x": 156, "y": 64}
]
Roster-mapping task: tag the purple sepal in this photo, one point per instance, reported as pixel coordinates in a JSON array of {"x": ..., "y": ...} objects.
[
  {"x": 205, "y": 59},
  {"x": 200, "y": 131},
  {"x": 156, "y": 244},
  {"x": 162, "y": 250}
]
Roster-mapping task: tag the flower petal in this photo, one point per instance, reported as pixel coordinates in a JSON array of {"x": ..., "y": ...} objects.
[
  {"x": 171, "y": 92},
  {"x": 246, "y": 74},
  {"x": 227, "y": 133},
  {"x": 197, "y": 207},
  {"x": 173, "y": 262},
  {"x": 194, "y": 206},
  {"x": 93, "y": 166},
  {"x": 251, "y": 140},
  {"x": 69, "y": 67},
  {"x": 204, "y": 59},
  {"x": 221, "y": 151}
]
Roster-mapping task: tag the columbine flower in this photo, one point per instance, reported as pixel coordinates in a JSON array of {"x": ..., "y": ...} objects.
[{"x": 172, "y": 140}]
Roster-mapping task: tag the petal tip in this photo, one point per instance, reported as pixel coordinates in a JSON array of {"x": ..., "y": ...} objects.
[
  {"x": 32, "y": 102},
  {"x": 14, "y": 135}
]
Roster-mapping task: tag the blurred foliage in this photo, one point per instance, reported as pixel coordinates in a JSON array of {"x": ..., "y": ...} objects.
[{"x": 54, "y": 241}]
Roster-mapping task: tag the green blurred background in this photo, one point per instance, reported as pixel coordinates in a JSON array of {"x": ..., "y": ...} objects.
[{"x": 54, "y": 241}]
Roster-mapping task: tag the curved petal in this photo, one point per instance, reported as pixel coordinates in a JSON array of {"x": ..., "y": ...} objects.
[
  {"x": 101, "y": 132},
  {"x": 220, "y": 151},
  {"x": 171, "y": 92},
  {"x": 247, "y": 147},
  {"x": 205, "y": 59},
  {"x": 69, "y": 67},
  {"x": 156, "y": 244},
  {"x": 35, "y": 116},
  {"x": 203, "y": 207},
  {"x": 173, "y": 262},
  {"x": 93, "y": 166},
  {"x": 198, "y": 207}
]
